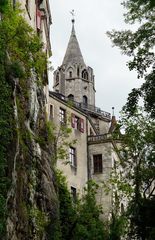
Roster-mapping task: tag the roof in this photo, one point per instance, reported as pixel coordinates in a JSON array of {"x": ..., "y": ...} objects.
[{"x": 73, "y": 53}]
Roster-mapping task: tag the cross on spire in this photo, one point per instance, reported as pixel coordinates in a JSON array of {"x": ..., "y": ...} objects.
[{"x": 73, "y": 15}]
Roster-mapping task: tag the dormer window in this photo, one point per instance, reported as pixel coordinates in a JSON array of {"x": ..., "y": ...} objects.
[
  {"x": 85, "y": 74},
  {"x": 71, "y": 97}
]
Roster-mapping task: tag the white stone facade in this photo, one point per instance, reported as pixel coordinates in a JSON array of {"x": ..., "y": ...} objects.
[{"x": 74, "y": 92}]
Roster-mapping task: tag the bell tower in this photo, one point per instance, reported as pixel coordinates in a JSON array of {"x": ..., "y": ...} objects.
[{"x": 74, "y": 79}]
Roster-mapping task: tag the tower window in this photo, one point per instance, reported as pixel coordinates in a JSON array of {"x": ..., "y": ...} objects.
[
  {"x": 84, "y": 74},
  {"x": 70, "y": 74},
  {"x": 85, "y": 100},
  {"x": 97, "y": 160},
  {"x": 78, "y": 72},
  {"x": 71, "y": 97}
]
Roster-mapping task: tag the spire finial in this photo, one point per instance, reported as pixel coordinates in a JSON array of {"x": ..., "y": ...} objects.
[
  {"x": 73, "y": 21},
  {"x": 73, "y": 16},
  {"x": 113, "y": 111}
]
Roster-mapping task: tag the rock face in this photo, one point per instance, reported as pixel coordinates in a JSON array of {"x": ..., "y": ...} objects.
[
  {"x": 28, "y": 198},
  {"x": 32, "y": 201}
]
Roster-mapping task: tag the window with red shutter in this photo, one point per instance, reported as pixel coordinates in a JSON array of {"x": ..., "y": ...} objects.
[
  {"x": 38, "y": 19},
  {"x": 82, "y": 125}
]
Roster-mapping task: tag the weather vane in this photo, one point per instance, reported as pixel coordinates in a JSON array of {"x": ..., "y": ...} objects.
[{"x": 73, "y": 15}]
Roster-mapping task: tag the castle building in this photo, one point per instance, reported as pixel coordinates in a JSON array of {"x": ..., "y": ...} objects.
[{"x": 72, "y": 104}]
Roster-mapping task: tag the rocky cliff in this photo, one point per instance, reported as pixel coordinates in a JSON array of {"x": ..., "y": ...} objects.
[{"x": 28, "y": 199}]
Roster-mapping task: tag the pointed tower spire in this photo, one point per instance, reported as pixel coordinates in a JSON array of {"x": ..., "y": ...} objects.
[
  {"x": 73, "y": 53},
  {"x": 113, "y": 121}
]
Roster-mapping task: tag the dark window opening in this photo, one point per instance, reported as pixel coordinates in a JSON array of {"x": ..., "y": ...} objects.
[
  {"x": 78, "y": 72},
  {"x": 122, "y": 208},
  {"x": 97, "y": 159},
  {"x": 84, "y": 74},
  {"x": 71, "y": 97},
  {"x": 73, "y": 194},
  {"x": 70, "y": 74},
  {"x": 51, "y": 112},
  {"x": 85, "y": 100}
]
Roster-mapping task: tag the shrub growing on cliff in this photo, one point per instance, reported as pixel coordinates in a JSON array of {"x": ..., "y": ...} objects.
[{"x": 20, "y": 52}]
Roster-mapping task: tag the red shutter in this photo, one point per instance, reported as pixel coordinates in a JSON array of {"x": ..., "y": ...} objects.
[
  {"x": 73, "y": 120},
  {"x": 82, "y": 125},
  {"x": 38, "y": 19}
]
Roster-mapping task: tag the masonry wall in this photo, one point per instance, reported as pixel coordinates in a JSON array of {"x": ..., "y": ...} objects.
[
  {"x": 104, "y": 148},
  {"x": 78, "y": 177}
]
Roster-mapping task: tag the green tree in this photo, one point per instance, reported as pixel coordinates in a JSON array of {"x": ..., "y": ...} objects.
[
  {"x": 138, "y": 143},
  {"x": 139, "y": 46},
  {"x": 89, "y": 225},
  {"x": 136, "y": 172},
  {"x": 67, "y": 208},
  {"x": 79, "y": 219}
]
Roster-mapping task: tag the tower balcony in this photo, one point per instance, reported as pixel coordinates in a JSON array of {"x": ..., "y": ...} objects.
[
  {"x": 90, "y": 109},
  {"x": 96, "y": 110},
  {"x": 83, "y": 106}
]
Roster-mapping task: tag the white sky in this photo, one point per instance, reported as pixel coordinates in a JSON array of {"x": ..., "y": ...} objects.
[{"x": 113, "y": 80}]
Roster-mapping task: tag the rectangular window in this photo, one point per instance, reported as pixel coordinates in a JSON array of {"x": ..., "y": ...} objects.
[
  {"x": 62, "y": 116},
  {"x": 97, "y": 159},
  {"x": 73, "y": 193},
  {"x": 51, "y": 112},
  {"x": 72, "y": 157}
]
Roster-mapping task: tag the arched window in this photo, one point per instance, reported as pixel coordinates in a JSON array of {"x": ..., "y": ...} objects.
[
  {"x": 70, "y": 74},
  {"x": 84, "y": 74},
  {"x": 78, "y": 71},
  {"x": 85, "y": 100},
  {"x": 57, "y": 78},
  {"x": 71, "y": 97}
]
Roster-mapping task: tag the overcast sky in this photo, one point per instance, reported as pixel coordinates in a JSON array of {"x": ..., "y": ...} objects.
[{"x": 113, "y": 80}]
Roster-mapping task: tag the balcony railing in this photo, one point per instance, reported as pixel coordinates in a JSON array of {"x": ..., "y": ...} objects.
[
  {"x": 84, "y": 107},
  {"x": 94, "y": 109},
  {"x": 90, "y": 108},
  {"x": 99, "y": 138}
]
